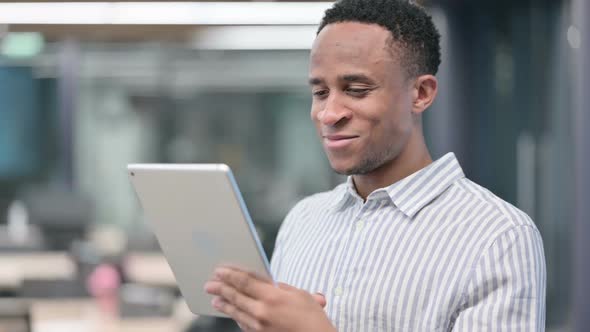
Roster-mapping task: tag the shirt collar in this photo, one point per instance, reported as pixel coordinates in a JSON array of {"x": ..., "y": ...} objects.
[
  {"x": 345, "y": 194},
  {"x": 413, "y": 192}
]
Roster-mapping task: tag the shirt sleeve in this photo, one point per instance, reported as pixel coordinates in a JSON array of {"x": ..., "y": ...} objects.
[{"x": 506, "y": 290}]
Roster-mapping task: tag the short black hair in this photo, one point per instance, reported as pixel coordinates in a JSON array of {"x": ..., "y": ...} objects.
[{"x": 411, "y": 28}]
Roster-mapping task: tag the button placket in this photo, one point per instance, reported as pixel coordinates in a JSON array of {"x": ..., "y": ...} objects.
[
  {"x": 360, "y": 217},
  {"x": 360, "y": 225}
]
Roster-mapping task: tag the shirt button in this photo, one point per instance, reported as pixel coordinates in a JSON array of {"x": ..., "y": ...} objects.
[
  {"x": 338, "y": 291},
  {"x": 359, "y": 225}
]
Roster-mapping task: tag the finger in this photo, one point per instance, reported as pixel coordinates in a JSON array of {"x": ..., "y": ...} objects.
[
  {"x": 242, "y": 318},
  {"x": 244, "y": 328},
  {"x": 241, "y": 301},
  {"x": 251, "y": 273},
  {"x": 320, "y": 299},
  {"x": 243, "y": 282},
  {"x": 213, "y": 287},
  {"x": 232, "y": 296}
]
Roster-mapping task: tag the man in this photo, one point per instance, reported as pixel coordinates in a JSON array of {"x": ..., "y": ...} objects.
[{"x": 407, "y": 244}]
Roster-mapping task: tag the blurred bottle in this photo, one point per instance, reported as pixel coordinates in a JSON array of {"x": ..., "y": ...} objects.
[{"x": 18, "y": 222}]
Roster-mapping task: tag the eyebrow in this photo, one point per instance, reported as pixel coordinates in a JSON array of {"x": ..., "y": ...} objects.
[
  {"x": 350, "y": 78},
  {"x": 315, "y": 81},
  {"x": 357, "y": 78}
]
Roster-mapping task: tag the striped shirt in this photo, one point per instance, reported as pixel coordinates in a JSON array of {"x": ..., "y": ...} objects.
[{"x": 432, "y": 252}]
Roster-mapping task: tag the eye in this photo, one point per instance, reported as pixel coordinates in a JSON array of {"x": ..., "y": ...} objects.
[
  {"x": 358, "y": 92},
  {"x": 320, "y": 93}
]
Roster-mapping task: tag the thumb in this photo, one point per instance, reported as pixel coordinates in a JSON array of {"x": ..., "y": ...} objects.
[
  {"x": 286, "y": 286},
  {"x": 320, "y": 299}
]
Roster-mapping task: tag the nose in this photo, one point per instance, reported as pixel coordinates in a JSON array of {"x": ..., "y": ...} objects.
[{"x": 333, "y": 112}]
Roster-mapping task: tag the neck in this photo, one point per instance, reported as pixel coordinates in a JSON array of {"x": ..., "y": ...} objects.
[{"x": 413, "y": 157}]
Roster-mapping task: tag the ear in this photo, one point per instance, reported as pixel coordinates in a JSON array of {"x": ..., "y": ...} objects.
[{"x": 425, "y": 89}]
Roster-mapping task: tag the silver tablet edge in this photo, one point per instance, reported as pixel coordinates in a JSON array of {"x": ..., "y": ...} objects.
[
  {"x": 245, "y": 212},
  {"x": 179, "y": 167}
]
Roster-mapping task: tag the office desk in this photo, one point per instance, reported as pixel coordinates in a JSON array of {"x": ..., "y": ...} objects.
[
  {"x": 14, "y": 315},
  {"x": 15, "y": 267},
  {"x": 84, "y": 316}
]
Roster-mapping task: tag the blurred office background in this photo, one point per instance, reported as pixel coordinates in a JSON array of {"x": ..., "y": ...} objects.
[{"x": 86, "y": 88}]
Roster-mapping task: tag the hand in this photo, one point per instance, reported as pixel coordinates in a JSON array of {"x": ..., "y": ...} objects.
[{"x": 258, "y": 305}]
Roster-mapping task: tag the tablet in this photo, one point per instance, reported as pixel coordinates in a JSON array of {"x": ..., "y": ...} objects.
[{"x": 200, "y": 220}]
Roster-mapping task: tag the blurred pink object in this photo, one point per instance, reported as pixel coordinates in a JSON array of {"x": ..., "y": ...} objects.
[{"x": 103, "y": 284}]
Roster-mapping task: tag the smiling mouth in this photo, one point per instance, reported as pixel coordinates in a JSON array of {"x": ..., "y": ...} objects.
[{"x": 338, "y": 141}]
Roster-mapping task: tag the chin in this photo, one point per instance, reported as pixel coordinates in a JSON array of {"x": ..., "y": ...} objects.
[
  {"x": 342, "y": 171},
  {"x": 343, "y": 168},
  {"x": 358, "y": 167}
]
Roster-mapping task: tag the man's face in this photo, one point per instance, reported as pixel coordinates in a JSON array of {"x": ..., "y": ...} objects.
[{"x": 362, "y": 101}]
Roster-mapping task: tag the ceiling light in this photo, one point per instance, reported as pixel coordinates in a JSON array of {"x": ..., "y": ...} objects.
[
  {"x": 21, "y": 44},
  {"x": 164, "y": 13},
  {"x": 297, "y": 37}
]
